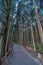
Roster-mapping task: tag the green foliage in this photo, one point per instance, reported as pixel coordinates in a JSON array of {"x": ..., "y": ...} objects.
[{"x": 39, "y": 48}]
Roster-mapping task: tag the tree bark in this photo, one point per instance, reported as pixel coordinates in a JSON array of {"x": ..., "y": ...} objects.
[
  {"x": 32, "y": 36},
  {"x": 38, "y": 23}
]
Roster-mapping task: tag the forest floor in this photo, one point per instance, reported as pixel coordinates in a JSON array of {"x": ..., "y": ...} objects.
[{"x": 34, "y": 54}]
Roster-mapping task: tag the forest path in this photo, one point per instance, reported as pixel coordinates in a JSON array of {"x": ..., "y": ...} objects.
[{"x": 20, "y": 57}]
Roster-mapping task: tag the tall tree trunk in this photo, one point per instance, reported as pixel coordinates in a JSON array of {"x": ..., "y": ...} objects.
[
  {"x": 32, "y": 35},
  {"x": 11, "y": 38},
  {"x": 19, "y": 34},
  {"x": 36, "y": 33},
  {"x": 38, "y": 22},
  {"x": 5, "y": 29},
  {"x": 7, "y": 38}
]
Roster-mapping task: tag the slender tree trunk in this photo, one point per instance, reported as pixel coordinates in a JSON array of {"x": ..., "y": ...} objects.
[
  {"x": 32, "y": 36},
  {"x": 11, "y": 38},
  {"x": 36, "y": 34},
  {"x": 19, "y": 33},
  {"x": 7, "y": 38},
  {"x": 0, "y": 48}
]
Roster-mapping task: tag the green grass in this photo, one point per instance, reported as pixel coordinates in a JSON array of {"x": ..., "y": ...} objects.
[{"x": 39, "y": 48}]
